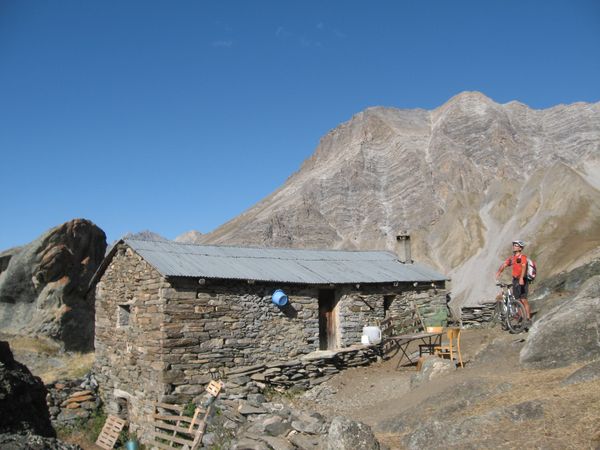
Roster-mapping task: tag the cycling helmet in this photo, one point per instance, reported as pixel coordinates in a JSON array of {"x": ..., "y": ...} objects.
[{"x": 519, "y": 243}]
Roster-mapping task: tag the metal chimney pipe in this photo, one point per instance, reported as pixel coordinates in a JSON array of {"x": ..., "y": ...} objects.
[{"x": 403, "y": 247}]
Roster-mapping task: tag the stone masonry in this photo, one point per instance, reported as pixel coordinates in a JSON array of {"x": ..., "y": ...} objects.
[{"x": 160, "y": 339}]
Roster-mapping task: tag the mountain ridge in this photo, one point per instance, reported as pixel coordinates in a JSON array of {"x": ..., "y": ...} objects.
[{"x": 459, "y": 177}]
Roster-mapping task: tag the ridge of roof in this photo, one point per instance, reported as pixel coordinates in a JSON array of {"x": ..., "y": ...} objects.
[
  {"x": 296, "y": 266},
  {"x": 193, "y": 244}
]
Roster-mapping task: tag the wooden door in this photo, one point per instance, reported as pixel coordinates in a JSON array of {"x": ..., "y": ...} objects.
[{"x": 327, "y": 320}]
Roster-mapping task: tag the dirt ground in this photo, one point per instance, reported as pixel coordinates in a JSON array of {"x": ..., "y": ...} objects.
[{"x": 492, "y": 401}]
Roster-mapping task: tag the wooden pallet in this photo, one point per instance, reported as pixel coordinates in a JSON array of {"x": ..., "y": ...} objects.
[
  {"x": 110, "y": 432},
  {"x": 174, "y": 430}
]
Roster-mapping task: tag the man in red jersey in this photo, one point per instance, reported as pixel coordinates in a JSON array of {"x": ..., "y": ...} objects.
[{"x": 518, "y": 261}]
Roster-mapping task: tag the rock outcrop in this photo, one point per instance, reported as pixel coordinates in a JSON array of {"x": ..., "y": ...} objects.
[
  {"x": 23, "y": 406},
  {"x": 465, "y": 179},
  {"x": 568, "y": 333},
  {"x": 43, "y": 289},
  {"x": 346, "y": 434}
]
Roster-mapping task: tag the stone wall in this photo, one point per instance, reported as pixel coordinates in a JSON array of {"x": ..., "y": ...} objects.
[
  {"x": 366, "y": 305},
  {"x": 163, "y": 339},
  {"x": 130, "y": 357},
  {"x": 225, "y": 324}
]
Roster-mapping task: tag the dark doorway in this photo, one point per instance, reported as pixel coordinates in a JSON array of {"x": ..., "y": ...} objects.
[
  {"x": 327, "y": 320},
  {"x": 387, "y": 302},
  {"x": 123, "y": 405}
]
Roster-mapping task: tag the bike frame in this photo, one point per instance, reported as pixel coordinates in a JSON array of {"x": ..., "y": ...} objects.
[{"x": 512, "y": 310}]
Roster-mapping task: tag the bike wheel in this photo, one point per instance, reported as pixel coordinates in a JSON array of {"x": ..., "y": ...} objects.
[
  {"x": 499, "y": 315},
  {"x": 516, "y": 317}
]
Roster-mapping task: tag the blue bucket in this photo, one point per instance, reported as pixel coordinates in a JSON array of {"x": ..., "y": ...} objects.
[
  {"x": 279, "y": 298},
  {"x": 132, "y": 445}
]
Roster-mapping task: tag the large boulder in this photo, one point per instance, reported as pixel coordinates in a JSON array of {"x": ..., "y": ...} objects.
[
  {"x": 568, "y": 333},
  {"x": 23, "y": 406},
  {"x": 346, "y": 434},
  {"x": 44, "y": 285}
]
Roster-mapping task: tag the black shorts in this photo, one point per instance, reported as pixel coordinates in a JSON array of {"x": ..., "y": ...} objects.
[{"x": 520, "y": 291}]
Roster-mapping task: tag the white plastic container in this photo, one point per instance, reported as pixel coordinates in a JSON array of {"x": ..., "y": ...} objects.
[{"x": 373, "y": 335}]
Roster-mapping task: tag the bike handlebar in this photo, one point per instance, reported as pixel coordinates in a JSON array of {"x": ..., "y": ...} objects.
[{"x": 503, "y": 284}]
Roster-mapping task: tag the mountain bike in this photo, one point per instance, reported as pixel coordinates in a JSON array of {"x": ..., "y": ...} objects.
[{"x": 510, "y": 311}]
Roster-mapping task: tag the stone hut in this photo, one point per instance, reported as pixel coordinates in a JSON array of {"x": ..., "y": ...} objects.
[{"x": 169, "y": 315}]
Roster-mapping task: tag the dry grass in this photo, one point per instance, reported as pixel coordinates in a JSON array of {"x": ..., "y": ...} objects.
[
  {"x": 571, "y": 414},
  {"x": 41, "y": 345},
  {"x": 45, "y": 359},
  {"x": 74, "y": 365}
]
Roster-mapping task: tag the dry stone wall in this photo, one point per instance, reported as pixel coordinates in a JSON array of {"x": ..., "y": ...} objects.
[
  {"x": 163, "y": 340},
  {"x": 225, "y": 324},
  {"x": 368, "y": 306},
  {"x": 129, "y": 336}
]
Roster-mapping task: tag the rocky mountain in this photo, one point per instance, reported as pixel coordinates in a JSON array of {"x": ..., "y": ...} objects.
[
  {"x": 44, "y": 284},
  {"x": 464, "y": 179},
  {"x": 191, "y": 237},
  {"x": 145, "y": 235}
]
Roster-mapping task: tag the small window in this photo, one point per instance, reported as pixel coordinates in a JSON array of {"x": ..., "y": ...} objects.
[{"x": 123, "y": 316}]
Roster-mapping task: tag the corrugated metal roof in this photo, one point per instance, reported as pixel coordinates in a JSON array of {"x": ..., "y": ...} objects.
[{"x": 174, "y": 259}]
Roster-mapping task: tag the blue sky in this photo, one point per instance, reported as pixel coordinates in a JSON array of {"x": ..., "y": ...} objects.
[{"x": 179, "y": 115}]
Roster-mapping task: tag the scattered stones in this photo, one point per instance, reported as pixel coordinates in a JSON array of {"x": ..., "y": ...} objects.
[
  {"x": 71, "y": 400},
  {"x": 33, "y": 442}
]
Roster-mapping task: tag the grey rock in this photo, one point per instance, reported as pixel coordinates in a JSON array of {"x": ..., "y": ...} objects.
[
  {"x": 455, "y": 398},
  {"x": 33, "y": 442},
  {"x": 469, "y": 432},
  {"x": 277, "y": 443},
  {"x": 346, "y": 434},
  {"x": 256, "y": 398},
  {"x": 23, "y": 405},
  {"x": 249, "y": 444},
  {"x": 305, "y": 442},
  {"x": 44, "y": 287},
  {"x": 275, "y": 426},
  {"x": 589, "y": 372},
  {"x": 270, "y": 425},
  {"x": 432, "y": 368},
  {"x": 522, "y": 412},
  {"x": 567, "y": 334},
  {"x": 246, "y": 408},
  {"x": 209, "y": 439}
]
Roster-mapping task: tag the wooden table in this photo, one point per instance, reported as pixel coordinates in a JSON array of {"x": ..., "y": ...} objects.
[{"x": 404, "y": 340}]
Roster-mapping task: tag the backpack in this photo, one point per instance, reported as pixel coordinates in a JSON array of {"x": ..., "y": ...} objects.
[{"x": 531, "y": 269}]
